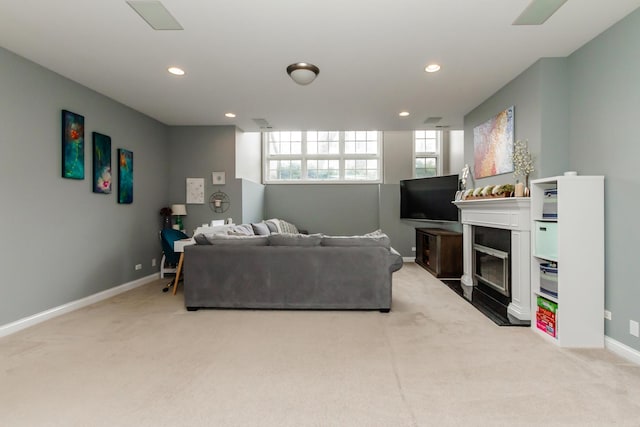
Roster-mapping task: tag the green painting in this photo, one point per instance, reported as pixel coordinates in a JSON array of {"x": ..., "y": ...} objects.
[
  {"x": 72, "y": 145},
  {"x": 101, "y": 163},
  {"x": 125, "y": 176}
]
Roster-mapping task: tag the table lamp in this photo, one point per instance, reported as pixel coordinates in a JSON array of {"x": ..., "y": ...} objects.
[{"x": 179, "y": 211}]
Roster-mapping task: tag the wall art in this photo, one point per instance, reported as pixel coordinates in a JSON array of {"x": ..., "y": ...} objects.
[
  {"x": 195, "y": 191},
  {"x": 493, "y": 145},
  {"x": 101, "y": 163},
  {"x": 125, "y": 176},
  {"x": 72, "y": 145},
  {"x": 217, "y": 178}
]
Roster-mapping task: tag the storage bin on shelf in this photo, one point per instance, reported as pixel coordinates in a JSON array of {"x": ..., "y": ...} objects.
[
  {"x": 550, "y": 204},
  {"x": 546, "y": 240},
  {"x": 549, "y": 278},
  {"x": 546, "y": 316}
]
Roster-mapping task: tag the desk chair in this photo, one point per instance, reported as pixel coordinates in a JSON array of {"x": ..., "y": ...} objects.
[{"x": 170, "y": 258}]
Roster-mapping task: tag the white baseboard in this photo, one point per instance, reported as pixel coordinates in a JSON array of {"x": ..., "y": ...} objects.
[
  {"x": 18, "y": 325},
  {"x": 622, "y": 350},
  {"x": 408, "y": 259}
]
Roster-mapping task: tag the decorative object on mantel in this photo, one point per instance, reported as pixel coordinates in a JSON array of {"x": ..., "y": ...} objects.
[
  {"x": 219, "y": 202},
  {"x": 217, "y": 178},
  {"x": 489, "y": 192},
  {"x": 463, "y": 177},
  {"x": 165, "y": 213},
  {"x": 522, "y": 166},
  {"x": 493, "y": 145}
]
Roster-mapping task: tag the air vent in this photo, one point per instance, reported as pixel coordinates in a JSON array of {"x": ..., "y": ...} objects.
[
  {"x": 442, "y": 126},
  {"x": 432, "y": 120},
  {"x": 262, "y": 123},
  {"x": 538, "y": 12},
  {"x": 156, "y": 15}
]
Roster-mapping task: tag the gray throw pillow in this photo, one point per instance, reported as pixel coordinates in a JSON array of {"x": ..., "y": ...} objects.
[
  {"x": 241, "y": 230},
  {"x": 273, "y": 228},
  {"x": 260, "y": 229},
  {"x": 295, "y": 239},
  {"x": 345, "y": 241},
  {"x": 201, "y": 239},
  {"x": 221, "y": 240}
]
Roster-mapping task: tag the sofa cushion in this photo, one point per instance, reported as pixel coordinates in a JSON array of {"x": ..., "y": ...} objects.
[
  {"x": 217, "y": 239},
  {"x": 241, "y": 230},
  {"x": 379, "y": 240},
  {"x": 260, "y": 229},
  {"x": 295, "y": 239}
]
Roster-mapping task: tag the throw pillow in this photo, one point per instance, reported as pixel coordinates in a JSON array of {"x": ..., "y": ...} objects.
[
  {"x": 378, "y": 232},
  {"x": 274, "y": 225},
  {"x": 260, "y": 229},
  {"x": 201, "y": 239},
  {"x": 241, "y": 230},
  {"x": 295, "y": 239},
  {"x": 346, "y": 241},
  {"x": 287, "y": 227},
  {"x": 222, "y": 240}
]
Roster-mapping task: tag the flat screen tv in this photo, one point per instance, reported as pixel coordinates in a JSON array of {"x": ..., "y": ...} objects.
[{"x": 429, "y": 199}]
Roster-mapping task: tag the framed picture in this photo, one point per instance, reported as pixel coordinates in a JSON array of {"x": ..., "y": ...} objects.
[
  {"x": 72, "y": 145},
  {"x": 101, "y": 163},
  {"x": 125, "y": 176},
  {"x": 493, "y": 145},
  {"x": 195, "y": 191},
  {"x": 217, "y": 178}
]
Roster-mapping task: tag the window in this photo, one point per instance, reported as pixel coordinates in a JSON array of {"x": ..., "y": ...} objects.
[
  {"x": 322, "y": 156},
  {"x": 426, "y": 148}
]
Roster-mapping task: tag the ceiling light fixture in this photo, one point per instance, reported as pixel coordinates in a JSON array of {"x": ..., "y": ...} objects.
[
  {"x": 432, "y": 68},
  {"x": 404, "y": 114},
  {"x": 176, "y": 71},
  {"x": 303, "y": 73},
  {"x": 230, "y": 115}
]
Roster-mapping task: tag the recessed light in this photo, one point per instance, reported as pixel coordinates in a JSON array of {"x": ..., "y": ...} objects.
[
  {"x": 230, "y": 115},
  {"x": 176, "y": 71},
  {"x": 404, "y": 114},
  {"x": 432, "y": 68}
]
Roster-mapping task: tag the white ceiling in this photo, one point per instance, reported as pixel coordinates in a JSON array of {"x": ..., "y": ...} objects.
[{"x": 371, "y": 55}]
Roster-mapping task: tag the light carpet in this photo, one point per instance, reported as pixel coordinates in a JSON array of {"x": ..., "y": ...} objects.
[{"x": 140, "y": 359}]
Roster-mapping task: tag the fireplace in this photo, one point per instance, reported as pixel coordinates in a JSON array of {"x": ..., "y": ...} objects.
[{"x": 497, "y": 255}]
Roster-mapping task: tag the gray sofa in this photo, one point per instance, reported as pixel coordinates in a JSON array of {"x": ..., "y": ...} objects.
[{"x": 290, "y": 272}]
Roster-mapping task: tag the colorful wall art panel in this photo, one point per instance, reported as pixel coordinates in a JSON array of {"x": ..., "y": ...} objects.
[
  {"x": 493, "y": 145},
  {"x": 101, "y": 163},
  {"x": 125, "y": 176},
  {"x": 72, "y": 145}
]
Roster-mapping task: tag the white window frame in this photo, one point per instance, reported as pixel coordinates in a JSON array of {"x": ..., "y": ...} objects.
[
  {"x": 431, "y": 155},
  {"x": 341, "y": 157}
]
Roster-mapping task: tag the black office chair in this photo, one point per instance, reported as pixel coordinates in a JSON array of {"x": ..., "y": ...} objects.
[{"x": 170, "y": 258}]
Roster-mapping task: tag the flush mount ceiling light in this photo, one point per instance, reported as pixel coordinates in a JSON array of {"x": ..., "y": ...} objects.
[
  {"x": 432, "y": 68},
  {"x": 176, "y": 71},
  {"x": 538, "y": 12},
  {"x": 230, "y": 115},
  {"x": 303, "y": 73},
  {"x": 404, "y": 114}
]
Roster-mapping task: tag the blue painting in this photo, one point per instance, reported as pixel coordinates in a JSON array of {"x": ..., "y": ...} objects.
[
  {"x": 125, "y": 176},
  {"x": 101, "y": 163},
  {"x": 72, "y": 145}
]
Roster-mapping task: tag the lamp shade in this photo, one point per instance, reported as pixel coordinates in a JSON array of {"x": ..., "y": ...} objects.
[
  {"x": 178, "y": 210},
  {"x": 303, "y": 73}
]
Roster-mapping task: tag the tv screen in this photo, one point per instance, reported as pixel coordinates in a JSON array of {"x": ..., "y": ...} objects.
[{"x": 429, "y": 199}]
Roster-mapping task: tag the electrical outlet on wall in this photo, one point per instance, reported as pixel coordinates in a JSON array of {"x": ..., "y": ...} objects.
[
  {"x": 413, "y": 248},
  {"x": 634, "y": 329},
  {"x": 138, "y": 266},
  {"x": 153, "y": 262},
  {"x": 607, "y": 314}
]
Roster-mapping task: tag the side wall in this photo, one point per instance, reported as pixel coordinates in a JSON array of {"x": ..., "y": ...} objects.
[
  {"x": 61, "y": 241},
  {"x": 605, "y": 106}
]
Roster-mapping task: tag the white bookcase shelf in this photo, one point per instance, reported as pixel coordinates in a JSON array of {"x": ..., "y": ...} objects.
[{"x": 579, "y": 233}]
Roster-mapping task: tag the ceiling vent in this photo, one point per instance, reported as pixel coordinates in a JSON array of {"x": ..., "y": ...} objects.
[
  {"x": 432, "y": 120},
  {"x": 262, "y": 123},
  {"x": 538, "y": 12},
  {"x": 156, "y": 15},
  {"x": 442, "y": 126}
]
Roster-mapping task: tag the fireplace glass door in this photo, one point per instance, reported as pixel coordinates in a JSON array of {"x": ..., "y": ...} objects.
[{"x": 492, "y": 268}]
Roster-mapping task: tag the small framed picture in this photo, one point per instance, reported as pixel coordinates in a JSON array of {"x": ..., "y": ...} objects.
[{"x": 217, "y": 178}]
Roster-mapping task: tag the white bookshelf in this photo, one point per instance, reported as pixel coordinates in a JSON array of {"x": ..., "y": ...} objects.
[{"x": 580, "y": 259}]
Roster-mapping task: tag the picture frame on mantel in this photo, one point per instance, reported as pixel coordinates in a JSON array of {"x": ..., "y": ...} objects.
[
  {"x": 493, "y": 145},
  {"x": 217, "y": 178}
]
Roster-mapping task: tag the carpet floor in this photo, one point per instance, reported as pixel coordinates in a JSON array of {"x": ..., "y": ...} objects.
[{"x": 140, "y": 359}]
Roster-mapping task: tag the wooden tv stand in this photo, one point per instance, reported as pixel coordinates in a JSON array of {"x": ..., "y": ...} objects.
[{"x": 439, "y": 252}]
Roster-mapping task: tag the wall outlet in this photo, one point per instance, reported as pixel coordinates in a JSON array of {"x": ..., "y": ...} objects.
[
  {"x": 413, "y": 248},
  {"x": 138, "y": 266},
  {"x": 634, "y": 329},
  {"x": 607, "y": 314},
  {"x": 153, "y": 262}
]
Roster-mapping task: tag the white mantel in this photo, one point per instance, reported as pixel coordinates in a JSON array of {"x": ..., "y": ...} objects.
[{"x": 513, "y": 214}]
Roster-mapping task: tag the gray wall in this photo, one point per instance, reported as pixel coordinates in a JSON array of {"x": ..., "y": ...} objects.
[
  {"x": 252, "y": 202},
  {"x": 605, "y": 107},
  {"x": 196, "y": 152},
  {"x": 61, "y": 242}
]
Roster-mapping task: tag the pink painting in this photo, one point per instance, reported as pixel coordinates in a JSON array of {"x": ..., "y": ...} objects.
[{"x": 493, "y": 145}]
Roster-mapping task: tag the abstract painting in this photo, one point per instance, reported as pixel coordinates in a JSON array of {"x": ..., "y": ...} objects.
[
  {"x": 101, "y": 163},
  {"x": 493, "y": 145},
  {"x": 72, "y": 145},
  {"x": 125, "y": 176}
]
